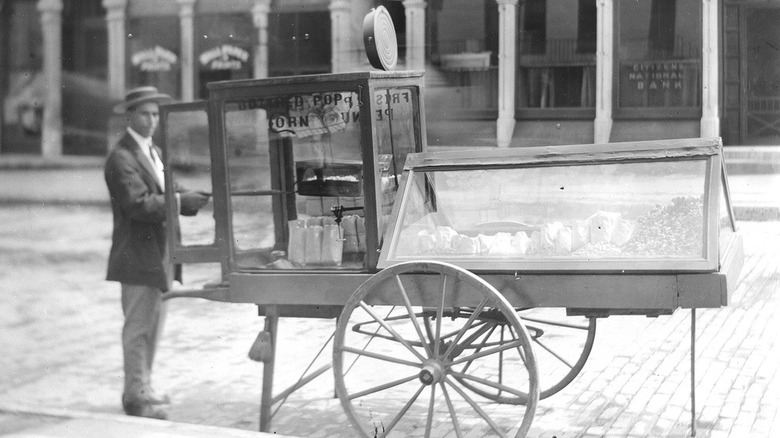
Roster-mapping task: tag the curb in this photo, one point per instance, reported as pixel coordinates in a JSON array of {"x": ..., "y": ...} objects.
[{"x": 139, "y": 423}]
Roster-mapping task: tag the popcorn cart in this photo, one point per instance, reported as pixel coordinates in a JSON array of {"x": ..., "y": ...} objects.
[{"x": 466, "y": 284}]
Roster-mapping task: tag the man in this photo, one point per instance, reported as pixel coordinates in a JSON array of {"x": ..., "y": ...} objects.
[{"x": 138, "y": 257}]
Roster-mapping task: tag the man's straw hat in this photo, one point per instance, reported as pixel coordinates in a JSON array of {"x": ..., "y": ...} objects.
[{"x": 140, "y": 95}]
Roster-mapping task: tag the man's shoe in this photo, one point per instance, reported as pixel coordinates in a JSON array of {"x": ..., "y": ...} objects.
[
  {"x": 144, "y": 410},
  {"x": 146, "y": 397},
  {"x": 151, "y": 397}
]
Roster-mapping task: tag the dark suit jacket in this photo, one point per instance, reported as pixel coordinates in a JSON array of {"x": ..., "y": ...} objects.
[{"x": 138, "y": 247}]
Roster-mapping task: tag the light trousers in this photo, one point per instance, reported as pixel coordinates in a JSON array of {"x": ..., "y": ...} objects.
[{"x": 144, "y": 312}]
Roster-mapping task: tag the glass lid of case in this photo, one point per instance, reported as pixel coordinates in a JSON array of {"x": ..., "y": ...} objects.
[{"x": 586, "y": 216}]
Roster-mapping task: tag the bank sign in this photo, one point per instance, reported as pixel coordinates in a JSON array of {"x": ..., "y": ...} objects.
[{"x": 224, "y": 57}]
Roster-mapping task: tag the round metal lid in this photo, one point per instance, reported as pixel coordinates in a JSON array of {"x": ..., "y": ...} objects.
[{"x": 379, "y": 39}]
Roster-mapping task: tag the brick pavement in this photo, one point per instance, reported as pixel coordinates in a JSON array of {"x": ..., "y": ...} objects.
[{"x": 60, "y": 325}]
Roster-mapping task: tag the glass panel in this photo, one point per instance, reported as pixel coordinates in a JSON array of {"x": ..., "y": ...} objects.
[
  {"x": 224, "y": 48},
  {"x": 557, "y": 54},
  {"x": 295, "y": 173},
  {"x": 641, "y": 210},
  {"x": 724, "y": 221},
  {"x": 253, "y": 231},
  {"x": 153, "y": 51},
  {"x": 763, "y": 82},
  {"x": 659, "y": 53},
  {"x": 462, "y": 74},
  {"x": 395, "y": 139},
  {"x": 187, "y": 143}
]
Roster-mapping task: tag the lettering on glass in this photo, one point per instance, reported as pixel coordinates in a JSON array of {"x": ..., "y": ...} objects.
[
  {"x": 385, "y": 101},
  {"x": 154, "y": 59},
  {"x": 224, "y": 57},
  {"x": 657, "y": 75},
  {"x": 314, "y": 114}
]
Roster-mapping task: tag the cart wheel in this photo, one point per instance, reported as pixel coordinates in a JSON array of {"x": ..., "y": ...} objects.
[
  {"x": 562, "y": 345},
  {"x": 401, "y": 365}
]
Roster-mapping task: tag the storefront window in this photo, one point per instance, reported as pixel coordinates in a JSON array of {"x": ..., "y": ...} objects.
[
  {"x": 462, "y": 73},
  {"x": 224, "y": 48},
  {"x": 556, "y": 54},
  {"x": 659, "y": 54},
  {"x": 22, "y": 89},
  {"x": 153, "y": 53}
]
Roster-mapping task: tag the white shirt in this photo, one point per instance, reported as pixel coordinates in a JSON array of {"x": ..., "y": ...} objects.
[{"x": 150, "y": 154}]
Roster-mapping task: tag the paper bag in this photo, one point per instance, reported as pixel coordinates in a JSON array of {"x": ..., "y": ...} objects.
[
  {"x": 332, "y": 245},
  {"x": 296, "y": 243},
  {"x": 313, "y": 248}
]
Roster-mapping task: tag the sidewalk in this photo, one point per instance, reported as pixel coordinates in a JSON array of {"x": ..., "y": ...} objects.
[{"x": 55, "y": 423}]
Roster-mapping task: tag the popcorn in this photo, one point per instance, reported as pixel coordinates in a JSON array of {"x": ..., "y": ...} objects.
[
  {"x": 549, "y": 233},
  {"x": 502, "y": 244},
  {"x": 463, "y": 244},
  {"x": 622, "y": 233},
  {"x": 602, "y": 224},
  {"x": 426, "y": 242},
  {"x": 521, "y": 242},
  {"x": 485, "y": 242},
  {"x": 563, "y": 241},
  {"x": 534, "y": 244},
  {"x": 580, "y": 235},
  {"x": 444, "y": 237}
]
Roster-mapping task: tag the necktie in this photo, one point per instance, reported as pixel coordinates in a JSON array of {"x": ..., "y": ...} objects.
[{"x": 158, "y": 166}]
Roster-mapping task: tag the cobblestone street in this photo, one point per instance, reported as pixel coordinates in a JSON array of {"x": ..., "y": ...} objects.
[{"x": 59, "y": 348}]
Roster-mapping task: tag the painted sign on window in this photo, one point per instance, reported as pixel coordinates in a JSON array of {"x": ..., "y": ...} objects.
[
  {"x": 659, "y": 83},
  {"x": 154, "y": 59},
  {"x": 224, "y": 57}
]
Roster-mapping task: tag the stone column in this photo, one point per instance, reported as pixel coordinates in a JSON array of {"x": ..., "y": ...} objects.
[
  {"x": 187, "y": 55},
  {"x": 117, "y": 38},
  {"x": 602, "y": 126},
  {"x": 710, "y": 108},
  {"x": 340, "y": 32},
  {"x": 260, "y": 12},
  {"x": 415, "y": 34},
  {"x": 51, "y": 22},
  {"x": 507, "y": 37}
]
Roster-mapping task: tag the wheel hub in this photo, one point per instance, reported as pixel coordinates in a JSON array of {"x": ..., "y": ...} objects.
[{"x": 431, "y": 373}]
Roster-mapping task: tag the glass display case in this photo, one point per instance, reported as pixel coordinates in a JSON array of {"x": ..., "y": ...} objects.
[
  {"x": 304, "y": 170},
  {"x": 621, "y": 207}
]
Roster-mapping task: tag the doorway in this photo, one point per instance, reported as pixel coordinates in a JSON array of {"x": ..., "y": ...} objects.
[{"x": 762, "y": 70}]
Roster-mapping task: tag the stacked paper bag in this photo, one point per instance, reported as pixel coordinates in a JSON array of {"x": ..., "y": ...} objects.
[{"x": 315, "y": 241}]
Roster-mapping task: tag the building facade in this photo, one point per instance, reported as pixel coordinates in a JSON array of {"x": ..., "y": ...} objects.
[{"x": 498, "y": 72}]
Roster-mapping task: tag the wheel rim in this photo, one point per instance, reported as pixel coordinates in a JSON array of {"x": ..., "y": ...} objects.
[
  {"x": 399, "y": 369},
  {"x": 562, "y": 346}
]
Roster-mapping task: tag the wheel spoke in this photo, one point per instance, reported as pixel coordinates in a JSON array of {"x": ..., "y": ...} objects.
[
  {"x": 431, "y": 405},
  {"x": 379, "y": 356},
  {"x": 482, "y": 345},
  {"x": 412, "y": 315},
  {"x": 507, "y": 346},
  {"x": 499, "y": 386},
  {"x": 370, "y": 338},
  {"x": 404, "y": 409},
  {"x": 451, "y": 408},
  {"x": 481, "y": 329},
  {"x": 557, "y": 356},
  {"x": 501, "y": 361},
  {"x": 466, "y": 326},
  {"x": 398, "y": 337},
  {"x": 382, "y": 387},
  {"x": 440, "y": 315},
  {"x": 519, "y": 350},
  {"x": 476, "y": 407}
]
